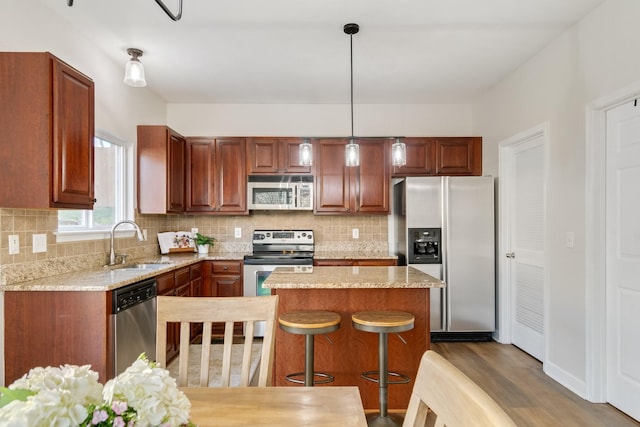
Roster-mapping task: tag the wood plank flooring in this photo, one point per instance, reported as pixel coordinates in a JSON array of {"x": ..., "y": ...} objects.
[{"x": 516, "y": 381}]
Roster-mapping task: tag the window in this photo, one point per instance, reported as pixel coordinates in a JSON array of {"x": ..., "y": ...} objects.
[{"x": 111, "y": 172}]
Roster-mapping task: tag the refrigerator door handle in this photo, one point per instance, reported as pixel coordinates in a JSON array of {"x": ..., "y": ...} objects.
[{"x": 446, "y": 322}]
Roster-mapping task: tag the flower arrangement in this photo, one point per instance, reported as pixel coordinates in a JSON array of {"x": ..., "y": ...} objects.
[{"x": 143, "y": 395}]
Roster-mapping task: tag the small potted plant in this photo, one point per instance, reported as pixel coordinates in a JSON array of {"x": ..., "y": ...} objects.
[{"x": 203, "y": 242}]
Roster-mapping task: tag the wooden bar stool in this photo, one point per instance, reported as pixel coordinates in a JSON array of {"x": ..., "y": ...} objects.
[
  {"x": 383, "y": 322},
  {"x": 309, "y": 323}
]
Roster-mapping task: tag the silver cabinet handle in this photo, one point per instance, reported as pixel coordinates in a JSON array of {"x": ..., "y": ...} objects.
[{"x": 511, "y": 254}]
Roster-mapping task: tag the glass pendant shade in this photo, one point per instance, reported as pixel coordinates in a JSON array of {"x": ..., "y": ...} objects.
[
  {"x": 306, "y": 153},
  {"x": 134, "y": 71},
  {"x": 352, "y": 154},
  {"x": 399, "y": 153}
]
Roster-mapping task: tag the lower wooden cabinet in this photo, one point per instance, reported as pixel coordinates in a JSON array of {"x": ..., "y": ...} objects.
[{"x": 223, "y": 279}]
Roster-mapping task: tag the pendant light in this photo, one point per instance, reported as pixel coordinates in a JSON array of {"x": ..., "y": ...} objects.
[
  {"x": 399, "y": 153},
  {"x": 306, "y": 153},
  {"x": 352, "y": 150},
  {"x": 134, "y": 71}
]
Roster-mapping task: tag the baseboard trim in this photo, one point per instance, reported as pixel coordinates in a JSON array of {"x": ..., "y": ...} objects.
[{"x": 461, "y": 336}]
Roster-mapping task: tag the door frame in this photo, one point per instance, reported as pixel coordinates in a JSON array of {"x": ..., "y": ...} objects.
[
  {"x": 595, "y": 239},
  {"x": 503, "y": 332}
]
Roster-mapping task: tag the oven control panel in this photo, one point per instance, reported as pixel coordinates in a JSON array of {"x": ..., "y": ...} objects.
[{"x": 283, "y": 236}]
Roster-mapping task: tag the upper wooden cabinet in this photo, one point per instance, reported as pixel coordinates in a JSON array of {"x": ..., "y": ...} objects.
[
  {"x": 160, "y": 154},
  {"x": 216, "y": 179},
  {"x": 352, "y": 190},
  {"x": 274, "y": 156},
  {"x": 442, "y": 156},
  {"x": 47, "y": 116}
]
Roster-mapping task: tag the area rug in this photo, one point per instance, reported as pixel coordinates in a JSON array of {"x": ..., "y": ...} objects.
[{"x": 215, "y": 364}]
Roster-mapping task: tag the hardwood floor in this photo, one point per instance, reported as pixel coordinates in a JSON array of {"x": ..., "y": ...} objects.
[{"x": 516, "y": 382}]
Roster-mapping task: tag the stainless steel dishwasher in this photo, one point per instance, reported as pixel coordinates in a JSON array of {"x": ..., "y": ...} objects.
[{"x": 134, "y": 323}]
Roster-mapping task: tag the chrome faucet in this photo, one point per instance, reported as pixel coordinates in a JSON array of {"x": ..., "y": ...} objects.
[{"x": 112, "y": 253}]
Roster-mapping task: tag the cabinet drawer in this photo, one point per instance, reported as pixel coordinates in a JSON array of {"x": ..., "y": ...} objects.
[
  {"x": 227, "y": 267},
  {"x": 182, "y": 276},
  {"x": 196, "y": 271},
  {"x": 166, "y": 284}
]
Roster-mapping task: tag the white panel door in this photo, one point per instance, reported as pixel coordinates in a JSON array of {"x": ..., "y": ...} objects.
[
  {"x": 526, "y": 214},
  {"x": 623, "y": 258}
]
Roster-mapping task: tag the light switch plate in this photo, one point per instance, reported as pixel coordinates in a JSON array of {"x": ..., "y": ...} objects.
[
  {"x": 14, "y": 244},
  {"x": 570, "y": 239},
  {"x": 39, "y": 243}
]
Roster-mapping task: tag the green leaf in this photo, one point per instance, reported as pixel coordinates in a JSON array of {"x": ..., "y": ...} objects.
[{"x": 9, "y": 395}]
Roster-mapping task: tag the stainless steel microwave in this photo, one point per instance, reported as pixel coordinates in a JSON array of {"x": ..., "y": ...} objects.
[{"x": 281, "y": 192}]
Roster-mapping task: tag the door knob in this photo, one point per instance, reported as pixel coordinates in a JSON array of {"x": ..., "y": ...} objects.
[{"x": 511, "y": 254}]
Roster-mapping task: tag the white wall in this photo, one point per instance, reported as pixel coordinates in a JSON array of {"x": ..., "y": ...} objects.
[
  {"x": 596, "y": 57},
  {"x": 26, "y": 25},
  {"x": 320, "y": 120}
]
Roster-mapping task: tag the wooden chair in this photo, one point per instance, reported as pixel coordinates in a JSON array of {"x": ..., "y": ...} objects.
[
  {"x": 205, "y": 310},
  {"x": 449, "y": 396}
]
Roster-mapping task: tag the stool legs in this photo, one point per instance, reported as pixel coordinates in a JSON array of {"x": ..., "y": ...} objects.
[
  {"x": 383, "y": 368},
  {"x": 308, "y": 360}
]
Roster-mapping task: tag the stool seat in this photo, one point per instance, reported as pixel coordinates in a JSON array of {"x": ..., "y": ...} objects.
[
  {"x": 309, "y": 323},
  {"x": 383, "y": 321},
  {"x": 309, "y": 320}
]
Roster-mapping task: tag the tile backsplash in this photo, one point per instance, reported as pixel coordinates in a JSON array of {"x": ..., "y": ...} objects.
[{"x": 332, "y": 232}]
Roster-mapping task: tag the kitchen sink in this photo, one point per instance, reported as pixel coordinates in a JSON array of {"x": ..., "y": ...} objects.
[{"x": 138, "y": 267}]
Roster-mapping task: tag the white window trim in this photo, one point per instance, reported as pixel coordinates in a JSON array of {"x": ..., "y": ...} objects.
[{"x": 65, "y": 236}]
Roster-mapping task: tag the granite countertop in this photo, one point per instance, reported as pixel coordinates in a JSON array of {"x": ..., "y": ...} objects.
[
  {"x": 352, "y": 255},
  {"x": 109, "y": 278},
  {"x": 305, "y": 277}
]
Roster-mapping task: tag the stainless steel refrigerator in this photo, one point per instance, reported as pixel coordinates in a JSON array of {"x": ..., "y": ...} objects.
[{"x": 445, "y": 227}]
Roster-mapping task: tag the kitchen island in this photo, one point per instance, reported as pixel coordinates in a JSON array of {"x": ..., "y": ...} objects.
[{"x": 346, "y": 290}]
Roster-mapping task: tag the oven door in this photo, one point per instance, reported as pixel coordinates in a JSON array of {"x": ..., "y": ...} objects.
[{"x": 254, "y": 277}]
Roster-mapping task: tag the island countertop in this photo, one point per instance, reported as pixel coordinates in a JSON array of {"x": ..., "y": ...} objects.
[{"x": 305, "y": 277}]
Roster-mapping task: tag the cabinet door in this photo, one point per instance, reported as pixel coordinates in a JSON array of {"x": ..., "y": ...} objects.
[
  {"x": 166, "y": 285},
  {"x": 290, "y": 157},
  {"x": 231, "y": 177},
  {"x": 332, "y": 177},
  {"x": 372, "y": 182},
  {"x": 421, "y": 154},
  {"x": 263, "y": 156},
  {"x": 175, "y": 196},
  {"x": 459, "y": 156},
  {"x": 200, "y": 161},
  {"x": 73, "y": 131}
]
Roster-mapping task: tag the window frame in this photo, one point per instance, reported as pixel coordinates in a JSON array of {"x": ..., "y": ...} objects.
[{"x": 73, "y": 234}]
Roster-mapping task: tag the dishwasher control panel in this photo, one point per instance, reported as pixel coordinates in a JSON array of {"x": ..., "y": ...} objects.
[{"x": 133, "y": 294}]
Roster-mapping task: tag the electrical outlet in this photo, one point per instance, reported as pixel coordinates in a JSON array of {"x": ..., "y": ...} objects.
[
  {"x": 14, "y": 244},
  {"x": 39, "y": 243},
  {"x": 194, "y": 230},
  {"x": 144, "y": 233},
  {"x": 569, "y": 239},
  {"x": 238, "y": 232},
  {"x": 355, "y": 233}
]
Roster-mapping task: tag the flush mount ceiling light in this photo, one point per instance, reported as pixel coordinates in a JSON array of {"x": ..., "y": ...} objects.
[
  {"x": 134, "y": 71},
  {"x": 352, "y": 150}
]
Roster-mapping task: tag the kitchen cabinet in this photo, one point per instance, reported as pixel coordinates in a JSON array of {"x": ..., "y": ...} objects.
[
  {"x": 223, "y": 279},
  {"x": 166, "y": 286},
  {"x": 195, "y": 285},
  {"x": 161, "y": 164},
  {"x": 371, "y": 262},
  {"x": 442, "y": 156},
  {"x": 47, "y": 116},
  {"x": 216, "y": 179},
  {"x": 352, "y": 190},
  {"x": 275, "y": 156}
]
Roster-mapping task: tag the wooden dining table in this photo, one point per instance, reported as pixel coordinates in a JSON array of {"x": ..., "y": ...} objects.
[{"x": 276, "y": 406}]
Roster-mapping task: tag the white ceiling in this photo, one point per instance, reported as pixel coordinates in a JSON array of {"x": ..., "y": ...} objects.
[{"x": 295, "y": 51}]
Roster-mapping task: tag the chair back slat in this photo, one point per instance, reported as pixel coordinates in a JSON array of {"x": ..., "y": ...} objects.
[
  {"x": 227, "y": 310},
  {"x": 442, "y": 391}
]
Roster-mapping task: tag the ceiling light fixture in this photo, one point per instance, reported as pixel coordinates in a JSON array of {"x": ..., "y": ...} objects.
[
  {"x": 398, "y": 153},
  {"x": 352, "y": 150},
  {"x": 134, "y": 71},
  {"x": 306, "y": 153}
]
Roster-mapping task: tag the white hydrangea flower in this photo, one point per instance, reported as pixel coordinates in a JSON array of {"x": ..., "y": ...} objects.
[{"x": 151, "y": 392}]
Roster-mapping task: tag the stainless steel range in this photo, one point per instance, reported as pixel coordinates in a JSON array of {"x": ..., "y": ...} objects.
[{"x": 271, "y": 249}]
